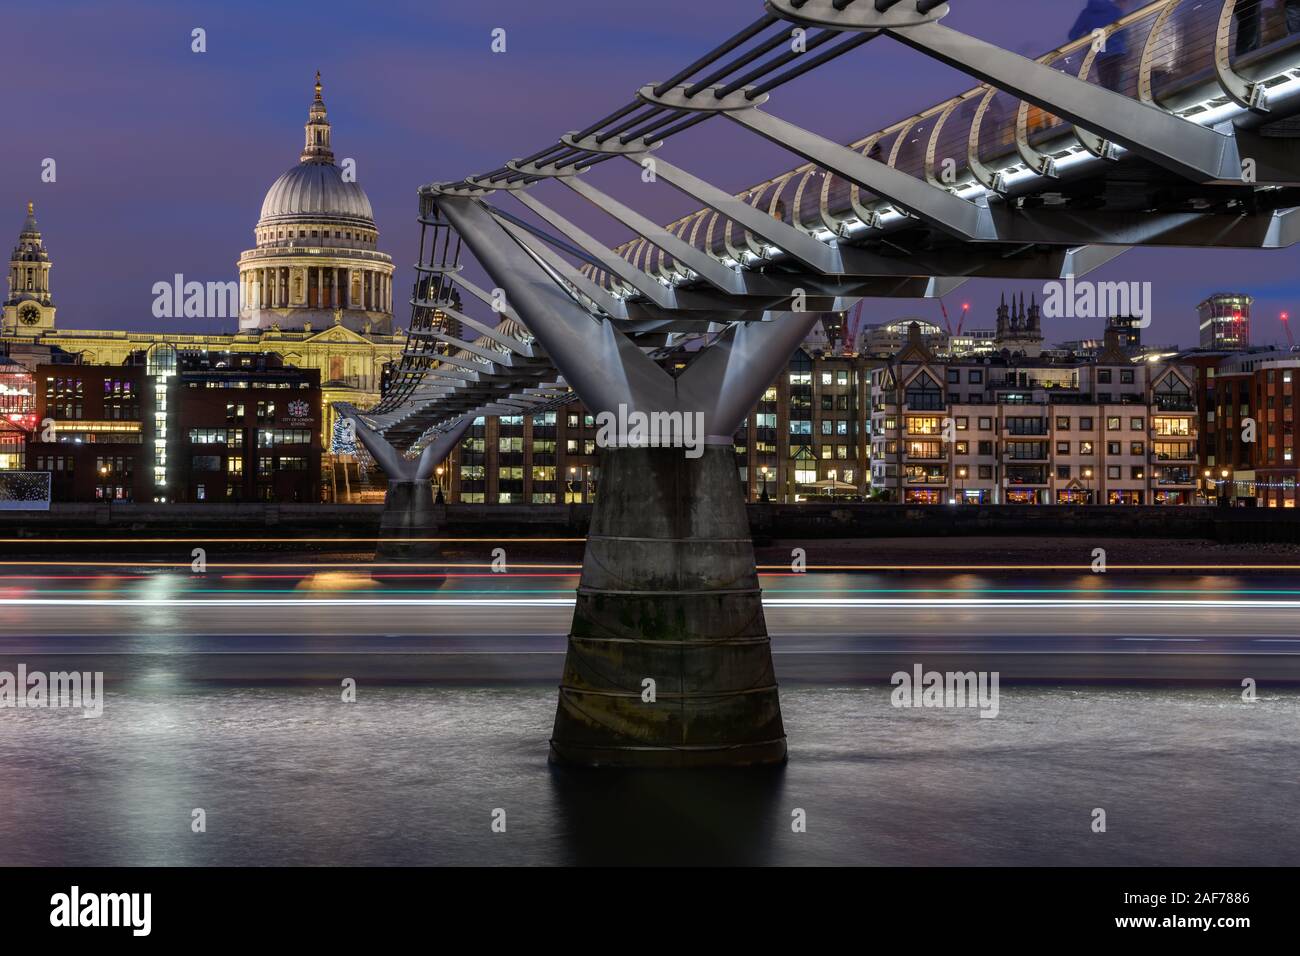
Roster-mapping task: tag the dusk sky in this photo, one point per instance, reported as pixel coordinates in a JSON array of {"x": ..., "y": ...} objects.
[{"x": 163, "y": 155}]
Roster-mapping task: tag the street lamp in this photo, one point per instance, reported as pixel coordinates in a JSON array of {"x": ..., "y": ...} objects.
[
  {"x": 107, "y": 489},
  {"x": 439, "y": 499},
  {"x": 1087, "y": 477},
  {"x": 962, "y": 472},
  {"x": 568, "y": 485},
  {"x": 763, "y": 472},
  {"x": 1223, "y": 488},
  {"x": 586, "y": 480}
]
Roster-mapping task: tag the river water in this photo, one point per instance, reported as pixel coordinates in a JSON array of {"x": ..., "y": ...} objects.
[{"x": 413, "y": 775}]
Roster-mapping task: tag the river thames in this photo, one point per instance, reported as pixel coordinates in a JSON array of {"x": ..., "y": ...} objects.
[{"x": 412, "y": 775}]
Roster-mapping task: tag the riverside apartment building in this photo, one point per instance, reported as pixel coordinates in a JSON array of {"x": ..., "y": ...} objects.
[{"x": 1012, "y": 429}]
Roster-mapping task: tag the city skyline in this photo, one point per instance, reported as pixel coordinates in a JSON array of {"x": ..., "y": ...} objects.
[{"x": 204, "y": 146}]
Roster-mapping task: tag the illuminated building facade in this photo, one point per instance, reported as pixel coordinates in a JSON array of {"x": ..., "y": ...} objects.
[
  {"x": 1248, "y": 423},
  {"x": 94, "y": 432},
  {"x": 28, "y": 308},
  {"x": 1031, "y": 431},
  {"x": 1224, "y": 320},
  {"x": 17, "y": 413},
  {"x": 247, "y": 429},
  {"x": 317, "y": 259},
  {"x": 316, "y": 289},
  {"x": 806, "y": 438}
]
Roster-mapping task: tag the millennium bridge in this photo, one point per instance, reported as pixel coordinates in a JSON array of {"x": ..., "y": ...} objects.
[{"x": 1170, "y": 127}]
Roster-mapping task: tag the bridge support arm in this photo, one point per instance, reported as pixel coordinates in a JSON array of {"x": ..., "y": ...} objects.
[
  {"x": 436, "y": 452},
  {"x": 647, "y": 285},
  {"x": 803, "y": 247},
  {"x": 938, "y": 207},
  {"x": 727, "y": 380},
  {"x": 396, "y": 465},
  {"x": 602, "y": 364},
  {"x": 1196, "y": 152}
]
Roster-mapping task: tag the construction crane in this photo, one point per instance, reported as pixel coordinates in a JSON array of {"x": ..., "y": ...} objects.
[
  {"x": 1286, "y": 324},
  {"x": 852, "y": 325},
  {"x": 961, "y": 323}
]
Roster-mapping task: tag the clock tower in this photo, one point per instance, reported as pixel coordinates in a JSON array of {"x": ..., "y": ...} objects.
[{"x": 29, "y": 310}]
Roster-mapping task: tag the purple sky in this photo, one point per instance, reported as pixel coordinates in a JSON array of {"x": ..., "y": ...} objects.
[{"x": 164, "y": 155}]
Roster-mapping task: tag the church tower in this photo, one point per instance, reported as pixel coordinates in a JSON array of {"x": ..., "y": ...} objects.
[
  {"x": 1020, "y": 329},
  {"x": 29, "y": 309}
]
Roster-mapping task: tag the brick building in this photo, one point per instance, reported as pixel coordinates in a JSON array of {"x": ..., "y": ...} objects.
[
  {"x": 94, "y": 432},
  {"x": 1244, "y": 396},
  {"x": 244, "y": 428}
]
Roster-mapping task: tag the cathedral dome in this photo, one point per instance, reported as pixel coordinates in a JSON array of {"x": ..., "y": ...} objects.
[
  {"x": 315, "y": 192},
  {"x": 317, "y": 260}
]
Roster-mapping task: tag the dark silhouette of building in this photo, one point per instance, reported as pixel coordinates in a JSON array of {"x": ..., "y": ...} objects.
[{"x": 1020, "y": 327}]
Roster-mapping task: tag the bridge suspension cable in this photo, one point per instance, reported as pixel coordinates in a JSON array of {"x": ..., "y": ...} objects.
[{"x": 652, "y": 123}]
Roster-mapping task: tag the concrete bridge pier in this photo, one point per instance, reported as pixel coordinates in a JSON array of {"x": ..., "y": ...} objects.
[
  {"x": 669, "y": 593},
  {"x": 410, "y": 512},
  {"x": 668, "y": 662}
]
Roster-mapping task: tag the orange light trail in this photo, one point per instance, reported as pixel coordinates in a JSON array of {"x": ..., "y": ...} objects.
[{"x": 769, "y": 569}]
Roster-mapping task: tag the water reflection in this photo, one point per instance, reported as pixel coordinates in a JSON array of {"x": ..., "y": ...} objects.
[
  {"x": 665, "y": 817},
  {"x": 413, "y": 776}
]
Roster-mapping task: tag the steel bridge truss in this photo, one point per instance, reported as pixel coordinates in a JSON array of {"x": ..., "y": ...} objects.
[{"x": 1050, "y": 168}]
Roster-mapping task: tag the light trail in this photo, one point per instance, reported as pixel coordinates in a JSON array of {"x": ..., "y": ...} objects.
[
  {"x": 355, "y": 566},
  {"x": 7, "y": 541},
  {"x": 975, "y": 568},
  {"x": 344, "y": 589},
  {"x": 767, "y": 570},
  {"x": 569, "y": 602}
]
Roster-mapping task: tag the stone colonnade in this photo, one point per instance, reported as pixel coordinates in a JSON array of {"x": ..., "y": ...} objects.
[{"x": 316, "y": 287}]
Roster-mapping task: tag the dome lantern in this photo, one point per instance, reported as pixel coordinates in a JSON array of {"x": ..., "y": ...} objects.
[{"x": 316, "y": 148}]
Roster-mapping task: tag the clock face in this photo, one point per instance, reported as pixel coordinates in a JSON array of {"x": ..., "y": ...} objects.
[{"x": 29, "y": 315}]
